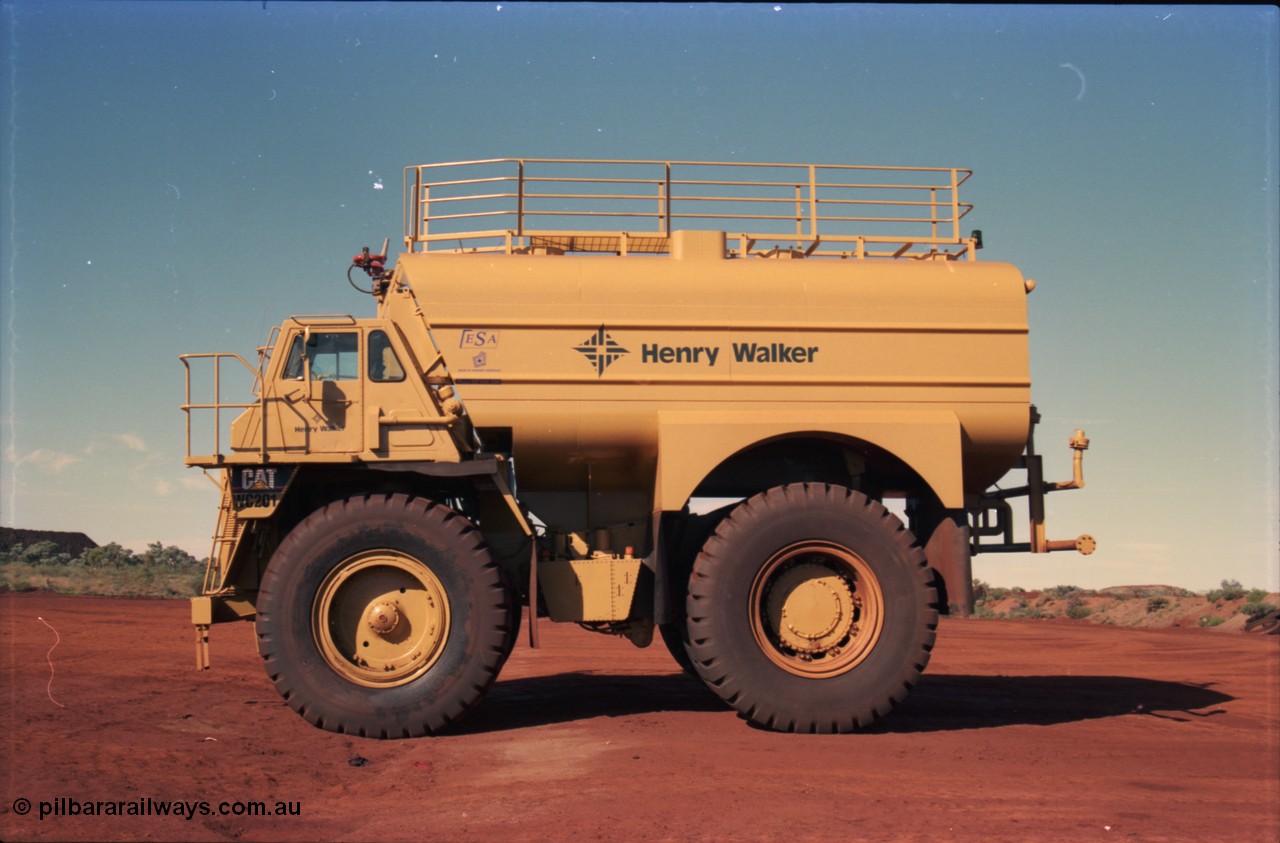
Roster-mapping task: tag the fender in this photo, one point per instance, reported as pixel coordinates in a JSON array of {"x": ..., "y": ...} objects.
[{"x": 691, "y": 444}]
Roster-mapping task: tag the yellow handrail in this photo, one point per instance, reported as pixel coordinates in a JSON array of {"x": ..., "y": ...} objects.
[
  {"x": 217, "y": 405},
  {"x": 793, "y": 205}
]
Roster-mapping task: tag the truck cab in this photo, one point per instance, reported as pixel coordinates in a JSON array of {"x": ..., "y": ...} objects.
[{"x": 345, "y": 387}]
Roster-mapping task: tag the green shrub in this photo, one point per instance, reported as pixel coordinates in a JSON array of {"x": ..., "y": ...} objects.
[
  {"x": 1232, "y": 590},
  {"x": 1060, "y": 591},
  {"x": 39, "y": 553},
  {"x": 45, "y": 552},
  {"x": 997, "y": 593},
  {"x": 110, "y": 570},
  {"x": 1256, "y": 595},
  {"x": 1079, "y": 612},
  {"x": 109, "y": 556},
  {"x": 1155, "y": 604},
  {"x": 1210, "y": 621},
  {"x": 1256, "y": 609},
  {"x": 159, "y": 556}
]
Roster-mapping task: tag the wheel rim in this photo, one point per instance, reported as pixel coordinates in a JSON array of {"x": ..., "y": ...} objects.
[
  {"x": 380, "y": 619},
  {"x": 817, "y": 609}
]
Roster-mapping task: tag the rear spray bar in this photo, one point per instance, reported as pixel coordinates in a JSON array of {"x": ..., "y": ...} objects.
[{"x": 993, "y": 516}]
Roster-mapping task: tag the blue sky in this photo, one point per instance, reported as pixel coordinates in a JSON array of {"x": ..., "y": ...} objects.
[{"x": 180, "y": 176}]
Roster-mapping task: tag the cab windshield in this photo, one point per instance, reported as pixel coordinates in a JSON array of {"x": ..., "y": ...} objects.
[{"x": 333, "y": 356}]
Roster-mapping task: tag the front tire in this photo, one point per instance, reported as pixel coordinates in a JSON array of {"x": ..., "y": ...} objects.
[
  {"x": 810, "y": 609},
  {"x": 384, "y": 616}
]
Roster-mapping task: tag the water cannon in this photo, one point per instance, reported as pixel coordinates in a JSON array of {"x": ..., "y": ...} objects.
[
  {"x": 371, "y": 264},
  {"x": 374, "y": 265}
]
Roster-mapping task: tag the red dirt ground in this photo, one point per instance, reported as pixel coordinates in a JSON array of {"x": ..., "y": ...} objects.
[{"x": 1019, "y": 730}]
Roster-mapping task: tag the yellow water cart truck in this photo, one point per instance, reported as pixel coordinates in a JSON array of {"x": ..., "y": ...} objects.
[{"x": 758, "y": 408}]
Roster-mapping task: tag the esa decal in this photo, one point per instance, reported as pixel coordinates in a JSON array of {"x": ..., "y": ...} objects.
[
  {"x": 480, "y": 345},
  {"x": 479, "y": 338}
]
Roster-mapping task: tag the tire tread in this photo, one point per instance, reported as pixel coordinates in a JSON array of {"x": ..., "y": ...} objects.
[
  {"x": 713, "y": 649},
  {"x": 491, "y": 604}
]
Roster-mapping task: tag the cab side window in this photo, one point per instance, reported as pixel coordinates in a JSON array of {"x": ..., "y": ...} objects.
[
  {"x": 293, "y": 364},
  {"x": 384, "y": 365}
]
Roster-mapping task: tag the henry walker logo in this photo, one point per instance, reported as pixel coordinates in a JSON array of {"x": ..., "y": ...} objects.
[{"x": 600, "y": 349}]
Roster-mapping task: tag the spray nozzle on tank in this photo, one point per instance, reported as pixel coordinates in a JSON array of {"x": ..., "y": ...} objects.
[{"x": 374, "y": 266}]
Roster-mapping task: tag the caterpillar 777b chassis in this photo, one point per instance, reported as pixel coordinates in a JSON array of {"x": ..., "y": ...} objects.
[{"x": 637, "y": 396}]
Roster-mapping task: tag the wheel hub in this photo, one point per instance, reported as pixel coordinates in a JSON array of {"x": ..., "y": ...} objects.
[
  {"x": 812, "y": 609},
  {"x": 383, "y": 617},
  {"x": 817, "y": 609}
]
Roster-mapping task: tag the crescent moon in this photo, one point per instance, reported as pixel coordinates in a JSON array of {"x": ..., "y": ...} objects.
[{"x": 1077, "y": 72}]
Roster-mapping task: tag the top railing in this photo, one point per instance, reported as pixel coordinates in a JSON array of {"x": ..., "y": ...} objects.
[{"x": 632, "y": 207}]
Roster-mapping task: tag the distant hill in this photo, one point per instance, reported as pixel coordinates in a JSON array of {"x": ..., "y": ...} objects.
[
  {"x": 72, "y": 544},
  {"x": 1144, "y": 606}
]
